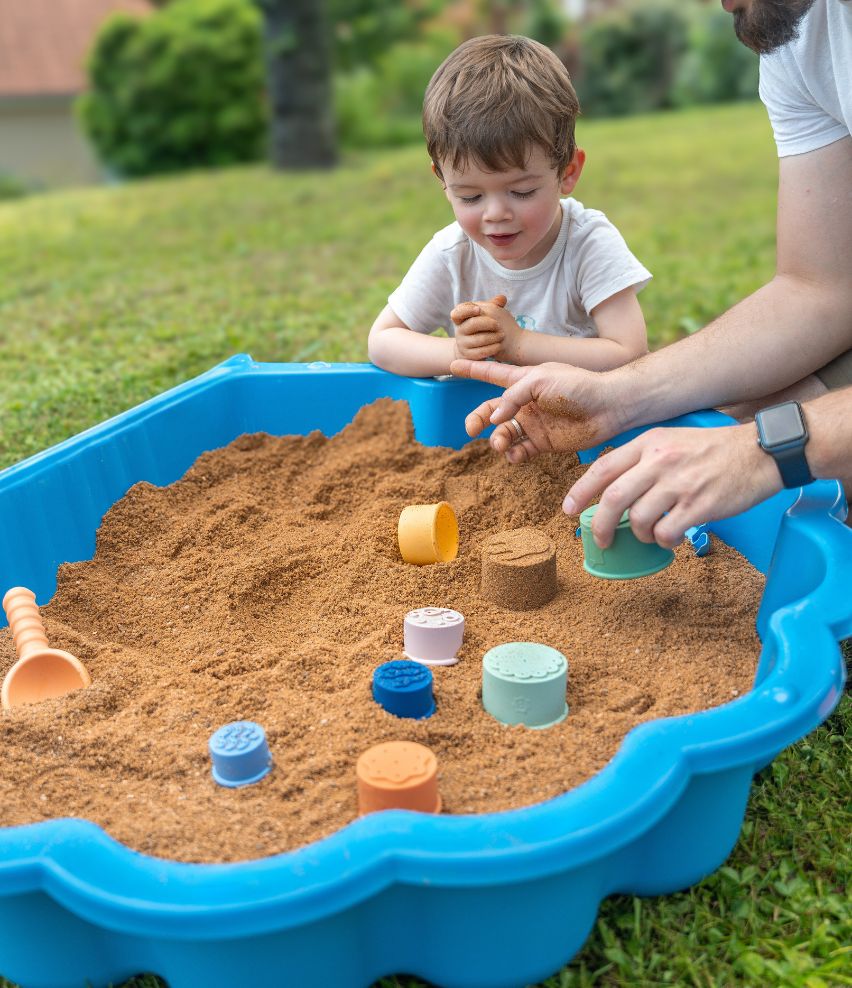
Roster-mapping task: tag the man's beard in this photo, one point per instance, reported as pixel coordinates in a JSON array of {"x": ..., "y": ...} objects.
[{"x": 769, "y": 24}]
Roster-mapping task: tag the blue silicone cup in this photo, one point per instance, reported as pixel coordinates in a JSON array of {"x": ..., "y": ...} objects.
[
  {"x": 240, "y": 754},
  {"x": 404, "y": 689}
]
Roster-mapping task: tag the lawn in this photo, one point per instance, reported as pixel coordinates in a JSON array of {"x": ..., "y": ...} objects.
[{"x": 109, "y": 296}]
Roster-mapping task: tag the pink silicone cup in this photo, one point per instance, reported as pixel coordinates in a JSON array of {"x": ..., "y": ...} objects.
[{"x": 433, "y": 635}]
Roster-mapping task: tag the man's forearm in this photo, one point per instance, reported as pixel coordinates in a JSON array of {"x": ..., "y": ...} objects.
[
  {"x": 829, "y": 448},
  {"x": 783, "y": 332}
]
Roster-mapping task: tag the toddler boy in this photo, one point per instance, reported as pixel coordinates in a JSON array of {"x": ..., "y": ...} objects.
[{"x": 499, "y": 117}]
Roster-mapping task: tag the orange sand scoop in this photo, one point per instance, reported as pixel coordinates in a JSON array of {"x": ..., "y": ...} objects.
[
  {"x": 398, "y": 775},
  {"x": 40, "y": 672},
  {"x": 428, "y": 533}
]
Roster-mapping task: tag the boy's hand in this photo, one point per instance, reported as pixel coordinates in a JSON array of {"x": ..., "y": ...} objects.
[{"x": 486, "y": 329}]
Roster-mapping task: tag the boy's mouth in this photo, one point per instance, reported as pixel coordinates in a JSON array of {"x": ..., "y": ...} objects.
[{"x": 502, "y": 239}]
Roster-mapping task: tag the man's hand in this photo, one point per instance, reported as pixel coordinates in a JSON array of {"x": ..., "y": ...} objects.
[
  {"x": 558, "y": 406},
  {"x": 672, "y": 479},
  {"x": 486, "y": 329}
]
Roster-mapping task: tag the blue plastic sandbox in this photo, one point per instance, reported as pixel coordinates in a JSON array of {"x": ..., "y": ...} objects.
[{"x": 481, "y": 901}]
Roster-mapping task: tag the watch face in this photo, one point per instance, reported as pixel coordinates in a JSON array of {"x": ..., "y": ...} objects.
[{"x": 781, "y": 424}]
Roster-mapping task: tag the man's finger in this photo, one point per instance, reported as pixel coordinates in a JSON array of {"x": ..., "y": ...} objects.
[
  {"x": 521, "y": 452},
  {"x": 647, "y": 511},
  {"x": 616, "y": 478},
  {"x": 503, "y": 437},
  {"x": 599, "y": 475},
  {"x": 516, "y": 395},
  {"x": 503, "y": 375},
  {"x": 670, "y": 530},
  {"x": 479, "y": 419}
]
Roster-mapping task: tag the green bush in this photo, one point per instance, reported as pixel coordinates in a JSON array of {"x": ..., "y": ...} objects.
[
  {"x": 179, "y": 89},
  {"x": 717, "y": 68},
  {"x": 381, "y": 106},
  {"x": 629, "y": 60},
  {"x": 12, "y": 187}
]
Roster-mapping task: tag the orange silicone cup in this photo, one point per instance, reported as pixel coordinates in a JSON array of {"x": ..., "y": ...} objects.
[{"x": 398, "y": 775}]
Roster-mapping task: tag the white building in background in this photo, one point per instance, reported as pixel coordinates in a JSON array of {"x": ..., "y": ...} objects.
[{"x": 43, "y": 47}]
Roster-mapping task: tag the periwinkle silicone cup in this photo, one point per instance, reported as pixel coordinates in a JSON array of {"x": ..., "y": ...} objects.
[
  {"x": 404, "y": 689},
  {"x": 433, "y": 635},
  {"x": 240, "y": 754},
  {"x": 626, "y": 558},
  {"x": 428, "y": 533},
  {"x": 525, "y": 683}
]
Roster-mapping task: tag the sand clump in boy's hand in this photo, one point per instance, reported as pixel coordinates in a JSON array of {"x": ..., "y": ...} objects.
[{"x": 267, "y": 585}]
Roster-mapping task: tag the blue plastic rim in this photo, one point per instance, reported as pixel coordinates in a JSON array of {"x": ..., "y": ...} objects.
[
  {"x": 404, "y": 688},
  {"x": 240, "y": 754},
  {"x": 662, "y": 814}
]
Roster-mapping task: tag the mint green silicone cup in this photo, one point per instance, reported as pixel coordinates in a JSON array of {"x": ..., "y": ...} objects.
[
  {"x": 524, "y": 683},
  {"x": 627, "y": 558}
]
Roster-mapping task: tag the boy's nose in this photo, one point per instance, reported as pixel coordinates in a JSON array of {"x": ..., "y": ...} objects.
[{"x": 496, "y": 210}]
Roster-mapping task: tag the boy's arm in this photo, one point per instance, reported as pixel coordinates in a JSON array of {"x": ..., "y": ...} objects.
[
  {"x": 619, "y": 320},
  {"x": 622, "y": 337},
  {"x": 394, "y": 347}
]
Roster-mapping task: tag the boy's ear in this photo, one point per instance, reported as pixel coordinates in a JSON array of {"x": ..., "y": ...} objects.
[
  {"x": 573, "y": 170},
  {"x": 438, "y": 175}
]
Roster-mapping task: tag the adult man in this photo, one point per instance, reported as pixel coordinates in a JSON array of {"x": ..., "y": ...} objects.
[{"x": 790, "y": 339}]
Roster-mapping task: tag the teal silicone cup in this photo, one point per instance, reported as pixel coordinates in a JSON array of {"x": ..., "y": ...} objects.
[
  {"x": 627, "y": 558},
  {"x": 524, "y": 683}
]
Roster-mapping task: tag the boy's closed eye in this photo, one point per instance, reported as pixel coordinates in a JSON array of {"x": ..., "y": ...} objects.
[{"x": 470, "y": 200}]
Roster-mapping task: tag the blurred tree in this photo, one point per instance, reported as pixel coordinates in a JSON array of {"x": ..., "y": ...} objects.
[
  {"x": 629, "y": 60},
  {"x": 364, "y": 30},
  {"x": 717, "y": 66},
  {"x": 298, "y": 69}
]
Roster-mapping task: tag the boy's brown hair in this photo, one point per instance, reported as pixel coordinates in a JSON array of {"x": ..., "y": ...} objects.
[{"x": 493, "y": 98}]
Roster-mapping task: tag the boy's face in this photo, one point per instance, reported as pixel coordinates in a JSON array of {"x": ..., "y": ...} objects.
[{"x": 515, "y": 215}]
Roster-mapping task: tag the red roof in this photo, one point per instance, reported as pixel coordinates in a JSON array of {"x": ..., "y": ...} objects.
[{"x": 44, "y": 43}]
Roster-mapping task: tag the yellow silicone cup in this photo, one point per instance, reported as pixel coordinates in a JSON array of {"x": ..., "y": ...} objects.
[{"x": 428, "y": 533}]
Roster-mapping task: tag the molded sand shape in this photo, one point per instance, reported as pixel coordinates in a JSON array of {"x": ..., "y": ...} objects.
[
  {"x": 519, "y": 569},
  {"x": 40, "y": 672}
]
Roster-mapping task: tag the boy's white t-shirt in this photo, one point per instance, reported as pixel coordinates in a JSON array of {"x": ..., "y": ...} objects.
[
  {"x": 807, "y": 84},
  {"x": 588, "y": 263}
]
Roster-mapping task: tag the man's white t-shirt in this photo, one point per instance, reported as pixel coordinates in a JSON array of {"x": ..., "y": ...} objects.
[
  {"x": 588, "y": 263},
  {"x": 807, "y": 84}
]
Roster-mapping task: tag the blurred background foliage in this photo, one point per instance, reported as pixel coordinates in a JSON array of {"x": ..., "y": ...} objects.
[{"x": 184, "y": 88}]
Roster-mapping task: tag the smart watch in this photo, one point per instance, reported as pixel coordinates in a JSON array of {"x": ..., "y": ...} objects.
[{"x": 782, "y": 433}]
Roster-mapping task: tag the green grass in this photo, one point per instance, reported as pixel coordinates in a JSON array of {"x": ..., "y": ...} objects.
[{"x": 109, "y": 296}]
